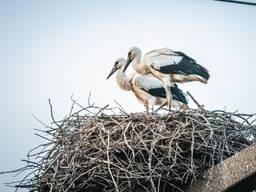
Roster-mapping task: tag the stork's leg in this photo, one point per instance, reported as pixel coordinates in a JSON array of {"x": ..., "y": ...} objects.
[
  {"x": 168, "y": 97},
  {"x": 147, "y": 110},
  {"x": 151, "y": 103},
  {"x": 153, "y": 110}
]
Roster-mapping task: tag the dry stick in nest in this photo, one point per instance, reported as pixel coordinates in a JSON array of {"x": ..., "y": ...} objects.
[
  {"x": 109, "y": 168},
  {"x": 195, "y": 101}
]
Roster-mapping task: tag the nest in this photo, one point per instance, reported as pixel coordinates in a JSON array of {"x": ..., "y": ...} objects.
[{"x": 97, "y": 149}]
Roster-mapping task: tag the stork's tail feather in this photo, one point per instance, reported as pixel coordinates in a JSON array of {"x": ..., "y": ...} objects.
[{"x": 202, "y": 72}]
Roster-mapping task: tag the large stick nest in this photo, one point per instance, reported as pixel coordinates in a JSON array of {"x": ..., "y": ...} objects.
[{"x": 92, "y": 151}]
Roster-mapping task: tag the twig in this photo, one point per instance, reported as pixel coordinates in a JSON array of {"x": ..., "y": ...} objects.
[
  {"x": 121, "y": 108},
  {"x": 195, "y": 101},
  {"x": 108, "y": 159},
  {"x": 52, "y": 116}
]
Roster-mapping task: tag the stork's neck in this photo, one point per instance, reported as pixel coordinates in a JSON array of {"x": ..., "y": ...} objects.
[
  {"x": 123, "y": 80},
  {"x": 138, "y": 65}
]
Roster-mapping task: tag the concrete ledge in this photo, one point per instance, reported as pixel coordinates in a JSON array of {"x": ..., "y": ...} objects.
[{"x": 237, "y": 173}]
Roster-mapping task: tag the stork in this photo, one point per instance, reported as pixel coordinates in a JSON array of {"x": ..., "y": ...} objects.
[
  {"x": 168, "y": 66},
  {"x": 147, "y": 89}
]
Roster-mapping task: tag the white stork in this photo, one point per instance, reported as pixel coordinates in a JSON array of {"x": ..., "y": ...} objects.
[
  {"x": 168, "y": 66},
  {"x": 147, "y": 89}
]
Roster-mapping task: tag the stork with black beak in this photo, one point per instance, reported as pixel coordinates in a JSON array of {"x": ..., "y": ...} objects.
[
  {"x": 168, "y": 66},
  {"x": 147, "y": 89}
]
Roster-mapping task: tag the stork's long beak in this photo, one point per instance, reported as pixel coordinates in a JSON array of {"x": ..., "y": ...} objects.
[
  {"x": 128, "y": 62},
  {"x": 114, "y": 69}
]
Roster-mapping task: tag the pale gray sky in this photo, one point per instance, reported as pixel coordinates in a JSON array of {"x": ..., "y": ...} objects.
[{"x": 53, "y": 49}]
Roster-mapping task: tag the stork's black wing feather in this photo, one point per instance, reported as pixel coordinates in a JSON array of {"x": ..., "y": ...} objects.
[
  {"x": 157, "y": 92},
  {"x": 177, "y": 94},
  {"x": 186, "y": 66}
]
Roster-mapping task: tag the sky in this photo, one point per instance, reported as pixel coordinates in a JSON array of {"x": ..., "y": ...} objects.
[{"x": 56, "y": 49}]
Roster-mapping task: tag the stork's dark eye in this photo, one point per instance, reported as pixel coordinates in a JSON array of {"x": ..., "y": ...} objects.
[
  {"x": 116, "y": 63},
  {"x": 129, "y": 54}
]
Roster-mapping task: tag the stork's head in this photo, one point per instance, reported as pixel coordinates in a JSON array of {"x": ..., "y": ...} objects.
[
  {"x": 134, "y": 52},
  {"x": 120, "y": 62}
]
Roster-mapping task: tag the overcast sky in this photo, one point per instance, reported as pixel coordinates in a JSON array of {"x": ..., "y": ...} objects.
[{"x": 55, "y": 49}]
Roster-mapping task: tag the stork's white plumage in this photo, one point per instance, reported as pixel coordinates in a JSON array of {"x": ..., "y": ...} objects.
[
  {"x": 147, "y": 89},
  {"x": 168, "y": 66}
]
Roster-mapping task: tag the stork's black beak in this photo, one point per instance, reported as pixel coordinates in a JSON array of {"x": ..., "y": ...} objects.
[
  {"x": 114, "y": 69},
  {"x": 128, "y": 62}
]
